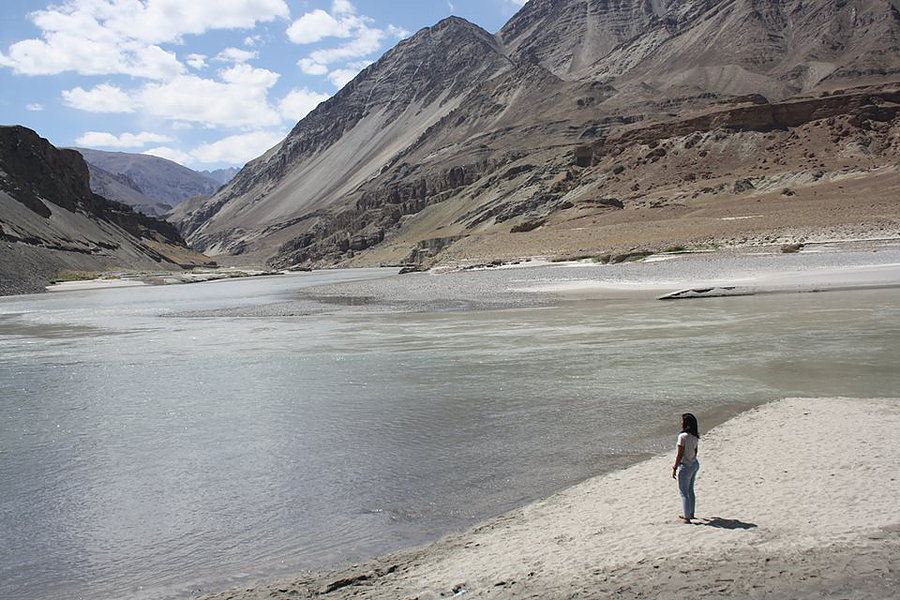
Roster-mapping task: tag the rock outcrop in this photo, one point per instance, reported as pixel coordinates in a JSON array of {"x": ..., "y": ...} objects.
[{"x": 51, "y": 220}]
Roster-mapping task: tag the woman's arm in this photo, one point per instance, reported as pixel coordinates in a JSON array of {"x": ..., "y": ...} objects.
[{"x": 677, "y": 460}]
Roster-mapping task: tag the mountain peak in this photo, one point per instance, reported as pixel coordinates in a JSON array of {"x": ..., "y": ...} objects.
[{"x": 382, "y": 111}]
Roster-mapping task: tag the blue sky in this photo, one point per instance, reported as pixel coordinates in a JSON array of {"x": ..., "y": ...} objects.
[{"x": 207, "y": 83}]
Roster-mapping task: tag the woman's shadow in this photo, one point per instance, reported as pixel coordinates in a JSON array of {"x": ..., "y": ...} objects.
[{"x": 721, "y": 523}]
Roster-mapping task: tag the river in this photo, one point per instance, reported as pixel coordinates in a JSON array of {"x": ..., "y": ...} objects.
[{"x": 153, "y": 456}]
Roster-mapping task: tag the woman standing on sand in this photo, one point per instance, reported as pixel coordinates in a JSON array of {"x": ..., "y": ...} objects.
[{"x": 687, "y": 465}]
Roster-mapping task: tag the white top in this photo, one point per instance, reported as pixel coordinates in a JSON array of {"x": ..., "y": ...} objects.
[{"x": 689, "y": 442}]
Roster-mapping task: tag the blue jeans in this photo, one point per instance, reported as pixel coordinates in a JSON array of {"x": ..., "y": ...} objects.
[{"x": 687, "y": 473}]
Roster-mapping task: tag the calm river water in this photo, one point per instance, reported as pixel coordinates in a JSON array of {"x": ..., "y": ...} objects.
[{"x": 152, "y": 456}]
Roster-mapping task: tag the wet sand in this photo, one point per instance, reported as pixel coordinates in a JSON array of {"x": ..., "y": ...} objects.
[{"x": 796, "y": 499}]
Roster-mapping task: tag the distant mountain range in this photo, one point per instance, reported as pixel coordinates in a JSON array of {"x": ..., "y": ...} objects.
[
  {"x": 458, "y": 138},
  {"x": 51, "y": 220},
  {"x": 149, "y": 184},
  {"x": 222, "y": 176}
]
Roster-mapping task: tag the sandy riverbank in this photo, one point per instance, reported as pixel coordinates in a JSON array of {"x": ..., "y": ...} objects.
[
  {"x": 841, "y": 266},
  {"x": 796, "y": 499}
]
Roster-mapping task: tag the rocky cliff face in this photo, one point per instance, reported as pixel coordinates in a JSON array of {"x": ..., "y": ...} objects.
[
  {"x": 457, "y": 135},
  {"x": 51, "y": 220}
]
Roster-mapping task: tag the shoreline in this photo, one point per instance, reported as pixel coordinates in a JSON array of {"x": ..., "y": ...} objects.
[
  {"x": 835, "y": 246},
  {"x": 539, "y": 284},
  {"x": 775, "y": 524},
  {"x": 124, "y": 279}
]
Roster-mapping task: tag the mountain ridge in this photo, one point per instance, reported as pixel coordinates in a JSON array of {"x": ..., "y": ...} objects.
[
  {"x": 161, "y": 184},
  {"x": 51, "y": 220},
  {"x": 509, "y": 113}
]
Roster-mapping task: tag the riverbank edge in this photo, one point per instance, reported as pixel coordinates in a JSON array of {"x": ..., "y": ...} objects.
[
  {"x": 118, "y": 279},
  {"x": 813, "y": 518}
]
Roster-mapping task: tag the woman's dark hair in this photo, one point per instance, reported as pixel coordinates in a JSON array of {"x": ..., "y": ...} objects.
[{"x": 689, "y": 425}]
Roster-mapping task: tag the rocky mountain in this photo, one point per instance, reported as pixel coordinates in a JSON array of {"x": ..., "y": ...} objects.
[
  {"x": 51, "y": 220},
  {"x": 465, "y": 145},
  {"x": 150, "y": 184},
  {"x": 222, "y": 176},
  {"x": 349, "y": 138},
  {"x": 121, "y": 188}
]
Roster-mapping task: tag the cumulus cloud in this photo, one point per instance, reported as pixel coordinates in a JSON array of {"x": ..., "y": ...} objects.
[
  {"x": 104, "y": 98},
  {"x": 235, "y": 55},
  {"x": 311, "y": 67},
  {"x": 237, "y": 148},
  {"x": 233, "y": 149},
  {"x": 341, "y": 77},
  {"x": 106, "y": 37},
  {"x": 315, "y": 26},
  {"x": 238, "y": 99},
  {"x": 299, "y": 103},
  {"x": 126, "y": 140},
  {"x": 362, "y": 37},
  {"x": 172, "y": 154},
  {"x": 196, "y": 61}
]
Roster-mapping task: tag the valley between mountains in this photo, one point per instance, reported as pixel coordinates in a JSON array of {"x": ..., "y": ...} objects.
[{"x": 605, "y": 129}]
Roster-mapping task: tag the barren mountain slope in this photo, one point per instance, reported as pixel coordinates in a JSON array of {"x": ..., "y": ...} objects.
[
  {"x": 564, "y": 36},
  {"x": 50, "y": 220},
  {"x": 777, "y": 49},
  {"x": 221, "y": 176},
  {"x": 349, "y": 138},
  {"x": 519, "y": 147},
  {"x": 121, "y": 188},
  {"x": 162, "y": 180}
]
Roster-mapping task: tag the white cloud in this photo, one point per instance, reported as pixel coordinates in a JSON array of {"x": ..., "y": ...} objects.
[
  {"x": 104, "y": 37},
  {"x": 364, "y": 39},
  {"x": 341, "y": 77},
  {"x": 311, "y": 67},
  {"x": 126, "y": 140},
  {"x": 315, "y": 26},
  {"x": 34, "y": 107},
  {"x": 342, "y": 7},
  {"x": 104, "y": 98},
  {"x": 70, "y": 51},
  {"x": 235, "y": 55},
  {"x": 299, "y": 103},
  {"x": 238, "y": 99},
  {"x": 237, "y": 149},
  {"x": 170, "y": 154},
  {"x": 233, "y": 149},
  {"x": 196, "y": 61}
]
